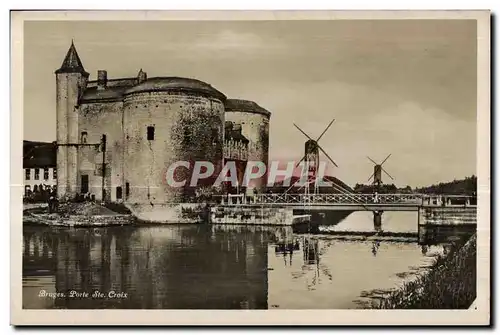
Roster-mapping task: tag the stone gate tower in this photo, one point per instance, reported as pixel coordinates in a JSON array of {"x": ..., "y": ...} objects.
[{"x": 71, "y": 80}]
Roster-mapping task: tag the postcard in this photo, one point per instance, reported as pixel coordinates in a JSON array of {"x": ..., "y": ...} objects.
[{"x": 250, "y": 168}]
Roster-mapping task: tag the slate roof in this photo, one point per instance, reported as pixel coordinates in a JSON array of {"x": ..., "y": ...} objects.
[
  {"x": 72, "y": 62},
  {"x": 236, "y": 136},
  {"x": 239, "y": 105},
  {"x": 176, "y": 84},
  {"x": 231, "y": 132},
  {"x": 109, "y": 94},
  {"x": 39, "y": 154}
]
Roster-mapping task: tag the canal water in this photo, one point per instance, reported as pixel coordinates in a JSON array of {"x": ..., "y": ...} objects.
[{"x": 217, "y": 267}]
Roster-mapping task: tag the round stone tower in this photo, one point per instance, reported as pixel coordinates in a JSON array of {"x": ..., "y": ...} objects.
[
  {"x": 168, "y": 121},
  {"x": 254, "y": 121},
  {"x": 71, "y": 80}
]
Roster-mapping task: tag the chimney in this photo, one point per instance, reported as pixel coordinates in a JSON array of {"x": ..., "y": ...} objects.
[
  {"x": 142, "y": 76},
  {"x": 102, "y": 79}
]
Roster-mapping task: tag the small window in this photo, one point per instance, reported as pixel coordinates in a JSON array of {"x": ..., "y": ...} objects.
[
  {"x": 37, "y": 174},
  {"x": 27, "y": 174},
  {"x": 127, "y": 190},
  {"x": 54, "y": 173},
  {"x": 84, "y": 137},
  {"x": 119, "y": 192},
  {"x": 46, "y": 174},
  {"x": 215, "y": 136},
  {"x": 151, "y": 133}
]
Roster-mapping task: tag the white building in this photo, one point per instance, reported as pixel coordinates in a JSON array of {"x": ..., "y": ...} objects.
[{"x": 39, "y": 166}]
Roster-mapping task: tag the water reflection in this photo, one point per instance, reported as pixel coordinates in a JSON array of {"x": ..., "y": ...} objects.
[
  {"x": 178, "y": 267},
  {"x": 325, "y": 273},
  {"x": 218, "y": 267}
]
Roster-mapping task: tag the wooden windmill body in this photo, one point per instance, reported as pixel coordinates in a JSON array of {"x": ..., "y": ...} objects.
[
  {"x": 377, "y": 173},
  {"x": 311, "y": 159}
]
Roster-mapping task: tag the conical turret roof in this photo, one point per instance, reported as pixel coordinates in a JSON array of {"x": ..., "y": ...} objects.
[{"x": 72, "y": 62}]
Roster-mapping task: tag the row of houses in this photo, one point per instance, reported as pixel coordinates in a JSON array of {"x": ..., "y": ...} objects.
[{"x": 39, "y": 167}]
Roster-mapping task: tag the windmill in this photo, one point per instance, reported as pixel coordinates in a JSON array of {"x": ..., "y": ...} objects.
[
  {"x": 377, "y": 172},
  {"x": 311, "y": 156}
]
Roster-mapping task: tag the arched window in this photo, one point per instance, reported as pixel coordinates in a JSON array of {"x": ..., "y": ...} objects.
[{"x": 84, "y": 137}]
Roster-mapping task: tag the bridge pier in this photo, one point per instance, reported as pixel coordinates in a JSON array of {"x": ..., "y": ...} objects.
[{"x": 377, "y": 220}]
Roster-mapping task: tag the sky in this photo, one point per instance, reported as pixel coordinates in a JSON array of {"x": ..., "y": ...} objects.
[{"x": 400, "y": 87}]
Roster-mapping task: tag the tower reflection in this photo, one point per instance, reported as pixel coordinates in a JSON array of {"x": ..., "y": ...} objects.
[{"x": 177, "y": 267}]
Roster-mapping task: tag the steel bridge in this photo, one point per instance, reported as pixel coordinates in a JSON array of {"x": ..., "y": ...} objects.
[{"x": 351, "y": 201}]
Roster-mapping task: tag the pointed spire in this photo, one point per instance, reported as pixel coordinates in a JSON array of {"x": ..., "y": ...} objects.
[{"x": 72, "y": 62}]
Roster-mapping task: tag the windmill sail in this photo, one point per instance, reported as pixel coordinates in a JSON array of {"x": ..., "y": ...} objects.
[{"x": 377, "y": 171}]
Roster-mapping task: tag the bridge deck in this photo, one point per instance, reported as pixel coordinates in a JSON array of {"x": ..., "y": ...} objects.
[
  {"x": 351, "y": 207},
  {"x": 351, "y": 202}
]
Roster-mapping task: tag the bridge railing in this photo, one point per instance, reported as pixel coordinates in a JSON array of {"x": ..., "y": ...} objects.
[
  {"x": 347, "y": 199},
  {"x": 352, "y": 198}
]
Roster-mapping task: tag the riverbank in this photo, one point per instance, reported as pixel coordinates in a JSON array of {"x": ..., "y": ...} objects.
[
  {"x": 449, "y": 284},
  {"x": 76, "y": 215}
]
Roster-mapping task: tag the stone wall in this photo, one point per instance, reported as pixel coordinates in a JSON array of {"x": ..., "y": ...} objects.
[
  {"x": 447, "y": 215},
  {"x": 169, "y": 213},
  {"x": 252, "y": 215},
  {"x": 186, "y": 127},
  {"x": 255, "y": 127},
  {"x": 97, "y": 119}
]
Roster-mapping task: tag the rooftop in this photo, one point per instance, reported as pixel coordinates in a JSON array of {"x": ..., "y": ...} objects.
[
  {"x": 176, "y": 84},
  {"x": 72, "y": 62},
  {"x": 112, "y": 93},
  {"x": 239, "y": 105},
  {"x": 39, "y": 154}
]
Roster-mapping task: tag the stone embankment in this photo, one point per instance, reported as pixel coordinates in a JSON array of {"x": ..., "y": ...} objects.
[
  {"x": 77, "y": 215},
  {"x": 253, "y": 215}
]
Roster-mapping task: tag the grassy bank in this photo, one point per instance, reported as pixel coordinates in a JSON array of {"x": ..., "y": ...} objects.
[{"x": 449, "y": 284}]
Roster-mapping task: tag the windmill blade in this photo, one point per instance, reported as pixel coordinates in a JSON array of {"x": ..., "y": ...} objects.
[
  {"x": 302, "y": 131},
  {"x": 324, "y": 152},
  {"x": 372, "y": 160},
  {"x": 324, "y": 131},
  {"x": 373, "y": 175},
  {"x": 385, "y": 159},
  {"x": 300, "y": 161},
  {"x": 387, "y": 174}
]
